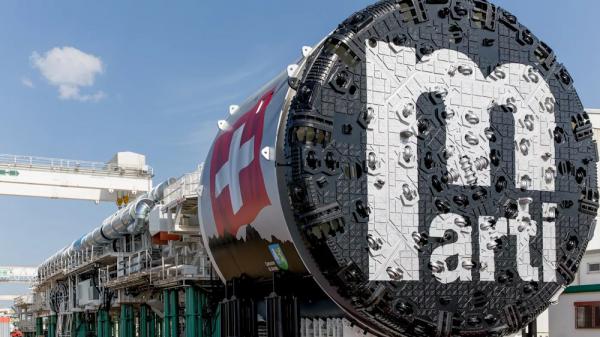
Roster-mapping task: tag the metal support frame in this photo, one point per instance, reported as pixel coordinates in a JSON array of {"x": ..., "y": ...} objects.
[
  {"x": 216, "y": 323},
  {"x": 52, "y": 325},
  {"x": 194, "y": 304},
  {"x": 167, "y": 314},
  {"x": 79, "y": 327},
  {"x": 144, "y": 321},
  {"x": 104, "y": 325},
  {"x": 159, "y": 326},
  {"x": 239, "y": 317},
  {"x": 171, "y": 320},
  {"x": 39, "y": 326},
  {"x": 531, "y": 330},
  {"x": 283, "y": 316},
  {"x": 127, "y": 321},
  {"x": 148, "y": 323}
]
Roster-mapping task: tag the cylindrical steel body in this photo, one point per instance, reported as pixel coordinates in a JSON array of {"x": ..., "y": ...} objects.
[
  {"x": 239, "y": 225},
  {"x": 127, "y": 220}
]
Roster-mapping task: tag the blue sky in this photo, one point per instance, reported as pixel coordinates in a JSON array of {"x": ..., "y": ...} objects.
[{"x": 169, "y": 70}]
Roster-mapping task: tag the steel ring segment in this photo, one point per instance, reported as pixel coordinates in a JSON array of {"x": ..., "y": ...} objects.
[{"x": 439, "y": 154}]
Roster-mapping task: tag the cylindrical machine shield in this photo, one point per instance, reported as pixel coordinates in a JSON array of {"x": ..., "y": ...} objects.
[{"x": 240, "y": 206}]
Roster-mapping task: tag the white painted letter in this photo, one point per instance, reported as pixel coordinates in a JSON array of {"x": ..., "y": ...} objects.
[
  {"x": 490, "y": 230},
  {"x": 462, "y": 248}
]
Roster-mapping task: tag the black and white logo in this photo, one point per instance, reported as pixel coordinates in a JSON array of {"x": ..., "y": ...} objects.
[{"x": 455, "y": 188}]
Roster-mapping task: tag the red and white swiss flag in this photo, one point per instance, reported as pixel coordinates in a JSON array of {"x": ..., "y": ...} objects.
[{"x": 237, "y": 187}]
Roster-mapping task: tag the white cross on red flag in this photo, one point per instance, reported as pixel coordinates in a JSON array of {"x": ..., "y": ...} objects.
[{"x": 237, "y": 187}]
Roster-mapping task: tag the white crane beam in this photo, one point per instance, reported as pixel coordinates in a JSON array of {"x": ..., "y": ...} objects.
[
  {"x": 17, "y": 274},
  {"x": 125, "y": 175}
]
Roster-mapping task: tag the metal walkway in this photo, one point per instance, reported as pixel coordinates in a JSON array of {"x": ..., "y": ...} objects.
[
  {"x": 116, "y": 180},
  {"x": 17, "y": 275}
]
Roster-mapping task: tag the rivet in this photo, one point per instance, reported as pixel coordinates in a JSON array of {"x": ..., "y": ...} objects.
[{"x": 395, "y": 273}]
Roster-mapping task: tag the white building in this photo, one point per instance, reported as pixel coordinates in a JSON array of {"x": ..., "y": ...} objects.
[{"x": 578, "y": 312}]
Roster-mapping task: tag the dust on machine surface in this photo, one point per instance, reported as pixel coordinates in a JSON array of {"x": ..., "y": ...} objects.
[{"x": 429, "y": 163}]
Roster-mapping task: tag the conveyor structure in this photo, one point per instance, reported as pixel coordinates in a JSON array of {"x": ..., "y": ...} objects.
[
  {"x": 424, "y": 155},
  {"x": 145, "y": 252}
]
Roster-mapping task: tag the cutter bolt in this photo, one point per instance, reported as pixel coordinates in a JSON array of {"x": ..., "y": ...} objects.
[
  {"x": 465, "y": 70},
  {"x": 549, "y": 175},
  {"x": 525, "y": 182},
  {"x": 468, "y": 265},
  {"x": 372, "y": 161},
  {"x": 481, "y": 163},
  {"x": 395, "y": 273},
  {"x": 471, "y": 139},
  {"x": 407, "y": 155},
  {"x": 408, "y": 192},
  {"x": 437, "y": 267},
  {"x": 471, "y": 118},
  {"x": 524, "y": 146},
  {"x": 374, "y": 244},
  {"x": 467, "y": 167},
  {"x": 408, "y": 110},
  {"x": 451, "y": 176},
  {"x": 416, "y": 237},
  {"x": 461, "y": 222},
  {"x": 448, "y": 151},
  {"x": 528, "y": 122},
  {"x": 487, "y": 225}
]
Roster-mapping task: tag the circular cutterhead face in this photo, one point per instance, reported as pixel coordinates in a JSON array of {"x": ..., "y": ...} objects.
[{"x": 442, "y": 170}]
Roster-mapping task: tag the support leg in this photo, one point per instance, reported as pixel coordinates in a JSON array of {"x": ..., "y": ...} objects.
[
  {"x": 166, "y": 326},
  {"x": 126, "y": 321},
  {"x": 144, "y": 321},
  {"x": 153, "y": 325},
  {"x": 39, "y": 326},
  {"x": 79, "y": 325},
  {"x": 191, "y": 312},
  {"x": 531, "y": 330},
  {"x": 173, "y": 299},
  {"x": 104, "y": 326},
  {"x": 52, "y": 326}
]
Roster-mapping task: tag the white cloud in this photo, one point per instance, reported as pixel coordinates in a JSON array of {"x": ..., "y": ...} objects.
[
  {"x": 27, "y": 82},
  {"x": 70, "y": 69}
]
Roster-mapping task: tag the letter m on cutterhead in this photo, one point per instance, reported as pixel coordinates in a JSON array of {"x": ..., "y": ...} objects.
[{"x": 464, "y": 167}]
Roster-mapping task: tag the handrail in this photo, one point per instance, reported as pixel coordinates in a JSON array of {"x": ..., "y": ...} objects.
[
  {"x": 184, "y": 187},
  {"x": 62, "y": 164}
]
